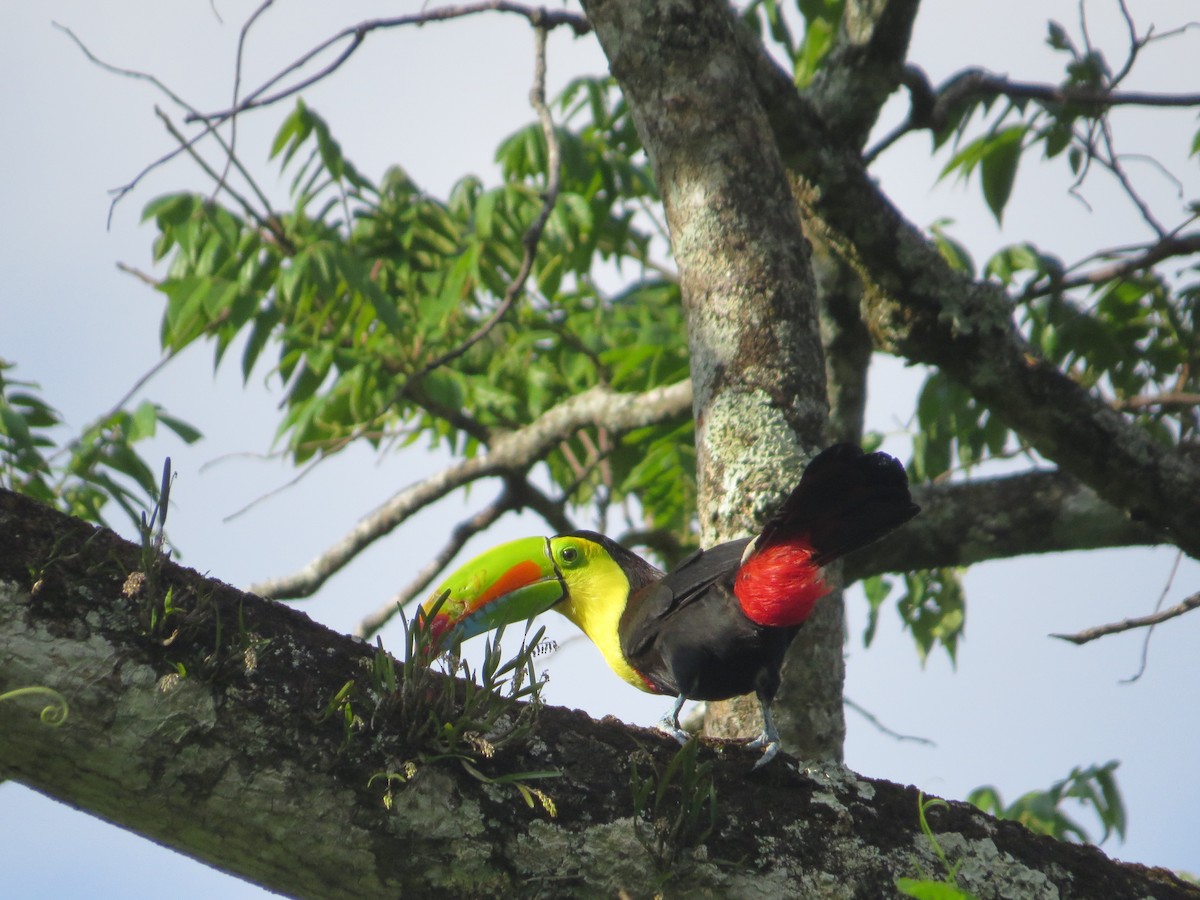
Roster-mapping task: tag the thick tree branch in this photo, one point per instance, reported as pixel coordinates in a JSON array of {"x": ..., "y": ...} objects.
[
  {"x": 514, "y": 451},
  {"x": 928, "y": 313},
  {"x": 864, "y": 67},
  {"x": 219, "y": 763},
  {"x": 963, "y": 523}
]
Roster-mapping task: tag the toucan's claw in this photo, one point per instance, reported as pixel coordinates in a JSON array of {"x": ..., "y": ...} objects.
[
  {"x": 771, "y": 747},
  {"x": 666, "y": 726},
  {"x": 669, "y": 724},
  {"x": 769, "y": 739}
]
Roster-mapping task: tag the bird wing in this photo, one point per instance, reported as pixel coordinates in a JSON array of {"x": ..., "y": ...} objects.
[{"x": 648, "y": 607}]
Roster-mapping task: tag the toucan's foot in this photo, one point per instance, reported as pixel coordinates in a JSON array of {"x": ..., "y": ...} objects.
[
  {"x": 769, "y": 739},
  {"x": 666, "y": 726},
  {"x": 669, "y": 724},
  {"x": 770, "y": 745}
]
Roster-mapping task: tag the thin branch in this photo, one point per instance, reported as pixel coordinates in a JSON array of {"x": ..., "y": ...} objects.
[
  {"x": 463, "y": 532},
  {"x": 986, "y": 84},
  {"x": 187, "y": 146},
  {"x": 230, "y": 159},
  {"x": 1167, "y": 248},
  {"x": 1168, "y": 401},
  {"x": 1113, "y": 164},
  {"x": 972, "y": 84},
  {"x": 275, "y": 491},
  {"x": 1150, "y": 631},
  {"x": 539, "y": 17},
  {"x": 514, "y": 451},
  {"x": 870, "y": 717},
  {"x": 1100, "y": 631},
  {"x": 533, "y": 234}
]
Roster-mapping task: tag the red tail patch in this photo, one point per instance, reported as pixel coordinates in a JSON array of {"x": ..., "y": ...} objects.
[{"x": 778, "y": 585}]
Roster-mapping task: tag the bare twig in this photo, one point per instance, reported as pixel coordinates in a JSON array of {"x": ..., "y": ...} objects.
[
  {"x": 539, "y": 17},
  {"x": 287, "y": 485},
  {"x": 511, "y": 452},
  {"x": 186, "y": 145},
  {"x": 463, "y": 532},
  {"x": 237, "y": 84},
  {"x": 870, "y": 717},
  {"x": 1091, "y": 634},
  {"x": 533, "y": 234},
  {"x": 1167, "y": 248},
  {"x": 1149, "y": 631}
]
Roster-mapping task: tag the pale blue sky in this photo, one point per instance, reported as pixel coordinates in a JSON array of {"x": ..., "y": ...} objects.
[{"x": 1021, "y": 709}]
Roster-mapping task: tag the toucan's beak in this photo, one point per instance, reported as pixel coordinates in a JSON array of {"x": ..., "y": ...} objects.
[{"x": 507, "y": 584}]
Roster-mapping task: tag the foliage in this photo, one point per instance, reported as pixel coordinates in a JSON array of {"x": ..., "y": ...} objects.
[
  {"x": 435, "y": 716},
  {"x": 932, "y": 608},
  {"x": 1094, "y": 788},
  {"x": 361, "y": 286},
  {"x": 81, "y": 474},
  {"x": 928, "y": 887},
  {"x": 675, "y": 808}
]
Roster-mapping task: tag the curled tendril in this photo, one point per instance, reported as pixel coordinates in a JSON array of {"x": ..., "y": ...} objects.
[{"x": 54, "y": 713}]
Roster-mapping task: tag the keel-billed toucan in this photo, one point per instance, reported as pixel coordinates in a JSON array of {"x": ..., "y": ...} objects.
[{"x": 718, "y": 625}]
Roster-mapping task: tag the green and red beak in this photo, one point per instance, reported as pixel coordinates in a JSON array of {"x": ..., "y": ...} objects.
[{"x": 507, "y": 584}]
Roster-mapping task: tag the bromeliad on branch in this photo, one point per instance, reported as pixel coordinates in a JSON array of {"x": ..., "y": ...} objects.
[{"x": 718, "y": 625}]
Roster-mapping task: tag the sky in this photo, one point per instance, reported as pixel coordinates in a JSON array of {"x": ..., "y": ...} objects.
[{"x": 1019, "y": 709}]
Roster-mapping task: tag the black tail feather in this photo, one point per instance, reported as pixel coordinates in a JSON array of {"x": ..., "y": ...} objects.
[{"x": 846, "y": 499}]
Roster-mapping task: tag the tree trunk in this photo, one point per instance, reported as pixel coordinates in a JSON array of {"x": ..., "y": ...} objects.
[{"x": 758, "y": 372}]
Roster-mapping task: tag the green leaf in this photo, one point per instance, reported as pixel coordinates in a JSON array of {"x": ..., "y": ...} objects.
[
  {"x": 998, "y": 168},
  {"x": 1056, "y": 37},
  {"x": 931, "y": 890},
  {"x": 877, "y": 588}
]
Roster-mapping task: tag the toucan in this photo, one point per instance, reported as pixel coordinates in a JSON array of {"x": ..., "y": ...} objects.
[{"x": 718, "y": 625}]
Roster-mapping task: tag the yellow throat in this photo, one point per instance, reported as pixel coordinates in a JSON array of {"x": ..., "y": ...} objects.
[{"x": 597, "y": 590}]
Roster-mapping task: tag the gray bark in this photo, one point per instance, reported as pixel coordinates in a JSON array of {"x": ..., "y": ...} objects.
[
  {"x": 758, "y": 372},
  {"x": 234, "y": 765}
]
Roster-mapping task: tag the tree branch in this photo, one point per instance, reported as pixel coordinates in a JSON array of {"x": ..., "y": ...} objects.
[
  {"x": 533, "y": 234},
  {"x": 928, "y": 313},
  {"x": 1165, "y": 615},
  {"x": 864, "y": 67},
  {"x": 539, "y": 17},
  {"x": 215, "y": 763},
  {"x": 513, "y": 451},
  {"x": 1168, "y": 247},
  {"x": 966, "y": 522},
  {"x": 932, "y": 109}
]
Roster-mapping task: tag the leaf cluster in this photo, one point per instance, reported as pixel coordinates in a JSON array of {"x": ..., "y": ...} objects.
[
  {"x": 79, "y": 474},
  {"x": 1094, "y": 788},
  {"x": 932, "y": 608},
  {"x": 675, "y": 807},
  {"x": 362, "y": 286}
]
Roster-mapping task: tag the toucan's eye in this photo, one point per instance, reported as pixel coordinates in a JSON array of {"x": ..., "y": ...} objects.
[{"x": 569, "y": 555}]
